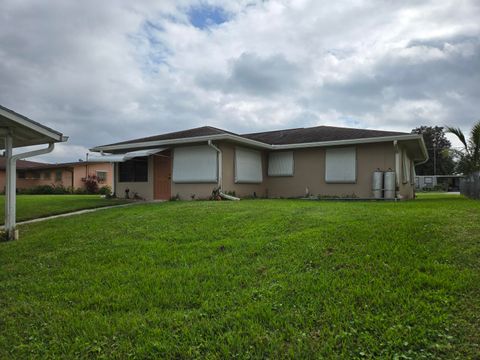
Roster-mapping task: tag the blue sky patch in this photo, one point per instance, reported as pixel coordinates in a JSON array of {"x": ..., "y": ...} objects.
[{"x": 205, "y": 16}]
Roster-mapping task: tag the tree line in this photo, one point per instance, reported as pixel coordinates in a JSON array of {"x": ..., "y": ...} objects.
[{"x": 443, "y": 158}]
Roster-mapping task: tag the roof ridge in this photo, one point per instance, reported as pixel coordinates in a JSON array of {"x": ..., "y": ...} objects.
[{"x": 321, "y": 126}]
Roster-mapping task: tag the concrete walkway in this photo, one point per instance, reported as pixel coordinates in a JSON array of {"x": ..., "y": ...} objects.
[{"x": 79, "y": 212}]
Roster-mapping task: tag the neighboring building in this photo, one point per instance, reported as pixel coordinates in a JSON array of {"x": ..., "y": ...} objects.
[
  {"x": 323, "y": 161},
  {"x": 69, "y": 175},
  {"x": 438, "y": 182}
]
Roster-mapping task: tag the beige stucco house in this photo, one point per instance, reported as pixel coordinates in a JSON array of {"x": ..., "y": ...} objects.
[
  {"x": 318, "y": 161},
  {"x": 69, "y": 175}
]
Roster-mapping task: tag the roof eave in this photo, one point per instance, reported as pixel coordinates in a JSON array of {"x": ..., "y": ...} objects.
[
  {"x": 195, "y": 139},
  {"x": 259, "y": 144},
  {"x": 33, "y": 125}
]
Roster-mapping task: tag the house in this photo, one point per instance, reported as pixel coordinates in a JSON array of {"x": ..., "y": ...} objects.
[
  {"x": 70, "y": 175},
  {"x": 439, "y": 182},
  {"x": 319, "y": 161}
]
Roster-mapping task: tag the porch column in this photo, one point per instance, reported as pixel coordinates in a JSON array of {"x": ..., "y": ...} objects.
[{"x": 10, "y": 189}]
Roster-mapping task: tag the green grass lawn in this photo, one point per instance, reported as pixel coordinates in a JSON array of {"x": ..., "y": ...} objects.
[
  {"x": 248, "y": 279},
  {"x": 36, "y": 206}
]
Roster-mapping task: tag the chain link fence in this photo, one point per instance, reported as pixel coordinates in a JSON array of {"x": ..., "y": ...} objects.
[{"x": 470, "y": 185}]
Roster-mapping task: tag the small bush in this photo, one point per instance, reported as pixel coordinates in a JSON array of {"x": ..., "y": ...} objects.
[
  {"x": 80, "y": 191},
  {"x": 105, "y": 190},
  {"x": 45, "y": 190},
  {"x": 91, "y": 185}
]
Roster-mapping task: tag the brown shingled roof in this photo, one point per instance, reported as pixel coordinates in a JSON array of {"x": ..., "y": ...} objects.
[
  {"x": 22, "y": 164},
  {"x": 200, "y": 131},
  {"x": 316, "y": 134},
  {"x": 277, "y": 137}
]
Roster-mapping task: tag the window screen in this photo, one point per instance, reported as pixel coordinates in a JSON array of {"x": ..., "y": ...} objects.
[
  {"x": 341, "y": 165},
  {"x": 134, "y": 170},
  {"x": 280, "y": 163},
  {"x": 248, "y": 166},
  {"x": 58, "y": 175},
  {"x": 195, "y": 164},
  {"x": 101, "y": 175}
]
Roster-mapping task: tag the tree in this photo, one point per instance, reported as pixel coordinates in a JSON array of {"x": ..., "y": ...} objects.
[
  {"x": 440, "y": 159},
  {"x": 469, "y": 157}
]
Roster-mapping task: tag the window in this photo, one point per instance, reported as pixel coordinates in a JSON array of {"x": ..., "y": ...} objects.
[
  {"x": 58, "y": 175},
  {"x": 428, "y": 180},
  {"x": 248, "y": 166},
  {"x": 46, "y": 175},
  {"x": 341, "y": 165},
  {"x": 195, "y": 164},
  {"x": 135, "y": 170},
  {"x": 35, "y": 175},
  {"x": 101, "y": 176},
  {"x": 280, "y": 163},
  {"x": 21, "y": 174}
]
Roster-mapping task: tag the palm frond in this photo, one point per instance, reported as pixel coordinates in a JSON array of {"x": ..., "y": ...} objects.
[
  {"x": 475, "y": 142},
  {"x": 459, "y": 134}
]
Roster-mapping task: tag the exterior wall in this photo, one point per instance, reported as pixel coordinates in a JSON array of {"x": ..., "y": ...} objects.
[
  {"x": 80, "y": 171},
  {"x": 143, "y": 189},
  {"x": 309, "y": 172},
  {"x": 204, "y": 191},
  {"x": 30, "y": 182},
  {"x": 67, "y": 181}
]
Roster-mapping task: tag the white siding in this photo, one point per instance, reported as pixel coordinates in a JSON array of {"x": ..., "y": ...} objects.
[
  {"x": 195, "y": 164},
  {"x": 248, "y": 166},
  {"x": 280, "y": 163},
  {"x": 341, "y": 165}
]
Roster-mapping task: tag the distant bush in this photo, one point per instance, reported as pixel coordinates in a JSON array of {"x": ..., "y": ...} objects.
[
  {"x": 80, "y": 191},
  {"x": 105, "y": 190},
  {"x": 46, "y": 190}
]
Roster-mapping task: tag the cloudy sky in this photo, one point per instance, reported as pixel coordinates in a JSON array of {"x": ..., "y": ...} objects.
[{"x": 105, "y": 71}]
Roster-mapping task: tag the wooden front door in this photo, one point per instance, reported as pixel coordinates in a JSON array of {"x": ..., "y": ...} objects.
[{"x": 162, "y": 176}]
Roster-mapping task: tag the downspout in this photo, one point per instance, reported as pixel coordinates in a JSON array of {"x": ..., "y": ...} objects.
[
  {"x": 114, "y": 169},
  {"x": 10, "y": 194},
  {"x": 397, "y": 162},
  {"x": 220, "y": 160},
  {"x": 220, "y": 178}
]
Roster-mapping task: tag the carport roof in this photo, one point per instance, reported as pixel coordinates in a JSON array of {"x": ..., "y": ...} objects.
[{"x": 25, "y": 131}]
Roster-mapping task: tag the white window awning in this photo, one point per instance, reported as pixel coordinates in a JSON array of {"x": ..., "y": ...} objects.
[{"x": 124, "y": 157}]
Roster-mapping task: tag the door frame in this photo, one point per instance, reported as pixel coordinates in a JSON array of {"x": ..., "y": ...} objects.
[{"x": 156, "y": 176}]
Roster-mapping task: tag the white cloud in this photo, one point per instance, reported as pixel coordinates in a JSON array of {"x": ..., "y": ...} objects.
[{"x": 108, "y": 71}]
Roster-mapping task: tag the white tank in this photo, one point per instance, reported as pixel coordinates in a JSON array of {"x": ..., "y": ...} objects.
[
  {"x": 377, "y": 184},
  {"x": 389, "y": 184}
]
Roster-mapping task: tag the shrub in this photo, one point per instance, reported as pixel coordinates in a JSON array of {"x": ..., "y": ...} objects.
[
  {"x": 80, "y": 191},
  {"x": 91, "y": 185},
  {"x": 105, "y": 190},
  {"x": 45, "y": 190}
]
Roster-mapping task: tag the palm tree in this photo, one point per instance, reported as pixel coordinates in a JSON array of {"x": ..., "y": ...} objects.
[{"x": 470, "y": 155}]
